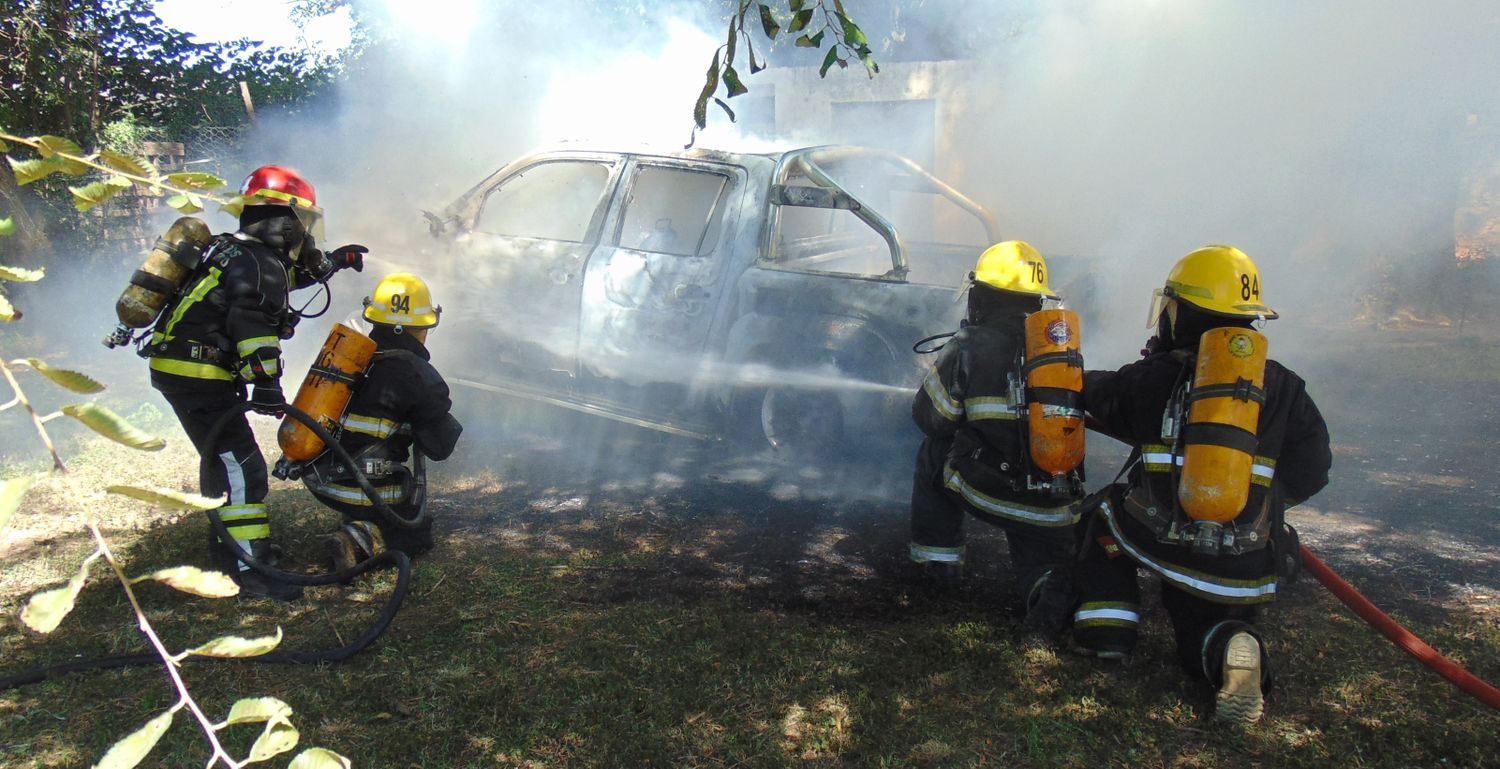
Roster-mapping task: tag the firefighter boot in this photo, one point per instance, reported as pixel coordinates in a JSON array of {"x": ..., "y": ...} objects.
[
  {"x": 1240, "y": 700},
  {"x": 354, "y": 543},
  {"x": 1049, "y": 604},
  {"x": 943, "y": 576},
  {"x": 256, "y": 585}
]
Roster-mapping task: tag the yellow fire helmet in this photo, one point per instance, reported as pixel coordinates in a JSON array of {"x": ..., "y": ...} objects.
[
  {"x": 1217, "y": 279},
  {"x": 403, "y": 300},
  {"x": 1014, "y": 266}
]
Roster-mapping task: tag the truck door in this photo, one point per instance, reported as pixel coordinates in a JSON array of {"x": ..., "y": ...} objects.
[
  {"x": 651, "y": 291},
  {"x": 525, "y": 256}
]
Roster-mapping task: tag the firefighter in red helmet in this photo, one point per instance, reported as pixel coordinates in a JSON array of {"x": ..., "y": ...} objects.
[{"x": 222, "y": 337}]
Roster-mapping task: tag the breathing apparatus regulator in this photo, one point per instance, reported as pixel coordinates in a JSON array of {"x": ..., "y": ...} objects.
[
  {"x": 1212, "y": 419},
  {"x": 1046, "y": 384}
]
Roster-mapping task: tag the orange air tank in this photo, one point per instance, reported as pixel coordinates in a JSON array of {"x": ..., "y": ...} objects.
[
  {"x": 326, "y": 391},
  {"x": 1054, "y": 382},
  {"x": 1219, "y": 439}
]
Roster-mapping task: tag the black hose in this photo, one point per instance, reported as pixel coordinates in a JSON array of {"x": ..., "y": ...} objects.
[
  {"x": 919, "y": 349},
  {"x": 376, "y": 629}
]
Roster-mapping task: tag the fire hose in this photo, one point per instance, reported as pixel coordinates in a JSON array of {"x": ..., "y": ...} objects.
[
  {"x": 1398, "y": 635},
  {"x": 338, "y": 654}
]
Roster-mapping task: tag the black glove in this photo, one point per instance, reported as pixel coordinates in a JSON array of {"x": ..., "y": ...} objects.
[
  {"x": 266, "y": 398},
  {"x": 352, "y": 255}
]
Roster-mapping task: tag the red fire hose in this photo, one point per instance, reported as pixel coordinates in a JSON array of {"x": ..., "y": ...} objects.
[{"x": 1399, "y": 635}]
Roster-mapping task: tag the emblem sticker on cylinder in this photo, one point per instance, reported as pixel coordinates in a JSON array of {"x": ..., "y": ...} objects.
[
  {"x": 1058, "y": 333},
  {"x": 1241, "y": 346}
]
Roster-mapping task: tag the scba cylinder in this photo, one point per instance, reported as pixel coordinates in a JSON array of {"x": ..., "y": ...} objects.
[
  {"x": 166, "y": 268},
  {"x": 1054, "y": 384},
  {"x": 326, "y": 391},
  {"x": 1219, "y": 438}
]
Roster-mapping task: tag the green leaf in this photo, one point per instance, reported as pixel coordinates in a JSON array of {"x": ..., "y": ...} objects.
[
  {"x": 46, "y": 610},
  {"x": 833, "y": 55},
  {"x": 50, "y": 145},
  {"x": 278, "y": 737},
  {"x": 194, "y": 180},
  {"x": 62, "y": 153},
  {"x": 800, "y": 20},
  {"x": 768, "y": 22},
  {"x": 187, "y": 204},
  {"x": 755, "y": 64},
  {"x": 69, "y": 380},
  {"x": 22, "y": 275},
  {"x": 803, "y": 41},
  {"x": 711, "y": 84},
  {"x": 128, "y": 752},
  {"x": 91, "y": 195},
  {"x": 12, "y": 491},
  {"x": 853, "y": 35},
  {"x": 732, "y": 82},
  {"x": 318, "y": 758},
  {"x": 191, "y": 579},
  {"x": 7, "y": 226},
  {"x": 795, "y": 5},
  {"x": 726, "y": 108},
  {"x": 28, "y": 171},
  {"x": 866, "y": 59},
  {"x": 169, "y": 498},
  {"x": 126, "y": 164},
  {"x": 230, "y": 646},
  {"x": 4, "y": 147},
  {"x": 733, "y": 38},
  {"x": 8, "y": 312},
  {"x": 112, "y": 426},
  {"x": 254, "y": 710}
]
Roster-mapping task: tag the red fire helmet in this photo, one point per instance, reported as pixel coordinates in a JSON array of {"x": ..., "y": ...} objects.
[{"x": 280, "y": 186}]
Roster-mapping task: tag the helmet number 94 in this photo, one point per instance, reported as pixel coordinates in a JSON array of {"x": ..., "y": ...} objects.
[
  {"x": 1249, "y": 286},
  {"x": 1038, "y": 272},
  {"x": 401, "y": 303}
]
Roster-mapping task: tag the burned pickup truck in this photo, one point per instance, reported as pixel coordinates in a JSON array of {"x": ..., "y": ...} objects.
[{"x": 706, "y": 293}]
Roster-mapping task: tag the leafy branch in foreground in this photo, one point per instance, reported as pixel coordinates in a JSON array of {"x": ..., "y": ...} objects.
[
  {"x": 846, "y": 41},
  {"x": 45, "y": 611},
  {"x": 60, "y": 155}
]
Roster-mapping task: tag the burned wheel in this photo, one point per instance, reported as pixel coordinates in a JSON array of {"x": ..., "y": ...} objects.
[{"x": 801, "y": 421}]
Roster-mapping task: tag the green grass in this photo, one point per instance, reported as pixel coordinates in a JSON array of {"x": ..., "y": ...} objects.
[{"x": 697, "y": 630}]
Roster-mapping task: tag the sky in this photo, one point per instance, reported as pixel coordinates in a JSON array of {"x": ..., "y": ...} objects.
[{"x": 269, "y": 22}]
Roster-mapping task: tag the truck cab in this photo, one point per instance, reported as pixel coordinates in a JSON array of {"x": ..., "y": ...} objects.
[{"x": 767, "y": 298}]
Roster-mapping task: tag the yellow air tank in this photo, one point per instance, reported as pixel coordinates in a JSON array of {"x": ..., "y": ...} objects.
[
  {"x": 326, "y": 391},
  {"x": 166, "y": 268},
  {"x": 1220, "y": 435},
  {"x": 1054, "y": 381}
]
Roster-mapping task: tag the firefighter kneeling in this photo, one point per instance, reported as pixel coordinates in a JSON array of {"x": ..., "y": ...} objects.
[
  {"x": 397, "y": 408},
  {"x": 1227, "y": 441},
  {"x": 1004, "y": 434}
]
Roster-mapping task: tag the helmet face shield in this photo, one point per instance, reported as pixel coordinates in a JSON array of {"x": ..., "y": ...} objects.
[{"x": 1159, "y": 299}]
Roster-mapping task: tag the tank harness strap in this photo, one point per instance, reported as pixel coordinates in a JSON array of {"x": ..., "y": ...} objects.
[
  {"x": 1241, "y": 390},
  {"x": 154, "y": 283},
  {"x": 1064, "y": 401},
  {"x": 1218, "y": 434},
  {"x": 334, "y": 375},
  {"x": 1069, "y": 358},
  {"x": 183, "y": 349}
]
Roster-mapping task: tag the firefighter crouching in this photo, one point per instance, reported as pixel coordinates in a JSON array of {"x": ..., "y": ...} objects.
[
  {"x": 977, "y": 454},
  {"x": 400, "y": 406},
  {"x": 225, "y": 332},
  {"x": 1227, "y": 440}
]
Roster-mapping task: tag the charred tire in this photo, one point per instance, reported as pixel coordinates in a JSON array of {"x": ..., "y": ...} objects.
[{"x": 802, "y": 422}]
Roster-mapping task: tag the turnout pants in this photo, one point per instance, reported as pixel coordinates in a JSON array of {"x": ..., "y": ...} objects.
[
  {"x": 937, "y": 516},
  {"x": 349, "y": 499},
  {"x": 237, "y": 467},
  {"x": 1108, "y": 615}
]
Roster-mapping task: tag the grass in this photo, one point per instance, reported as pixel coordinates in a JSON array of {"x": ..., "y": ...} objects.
[{"x": 566, "y": 624}]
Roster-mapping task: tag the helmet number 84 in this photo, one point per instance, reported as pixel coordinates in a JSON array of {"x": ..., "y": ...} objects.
[
  {"x": 401, "y": 303},
  {"x": 1249, "y": 286}
]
